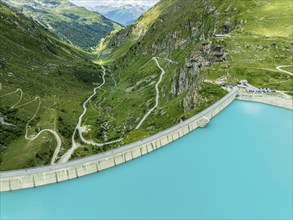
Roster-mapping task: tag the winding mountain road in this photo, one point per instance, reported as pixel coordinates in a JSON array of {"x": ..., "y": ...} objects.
[
  {"x": 279, "y": 68},
  {"x": 78, "y": 127},
  {"x": 10, "y": 93},
  {"x": 19, "y": 100},
  {"x": 32, "y": 138},
  {"x": 58, "y": 139},
  {"x": 27, "y": 126},
  {"x": 157, "y": 91}
]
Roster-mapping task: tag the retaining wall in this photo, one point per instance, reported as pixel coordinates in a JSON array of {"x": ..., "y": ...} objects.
[{"x": 21, "y": 179}]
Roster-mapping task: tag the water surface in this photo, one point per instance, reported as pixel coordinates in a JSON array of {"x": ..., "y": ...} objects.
[{"x": 239, "y": 167}]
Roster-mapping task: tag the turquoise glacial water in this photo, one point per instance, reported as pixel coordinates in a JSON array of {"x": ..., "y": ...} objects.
[{"x": 239, "y": 167}]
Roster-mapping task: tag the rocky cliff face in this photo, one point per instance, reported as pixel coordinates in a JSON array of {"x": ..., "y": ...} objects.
[{"x": 188, "y": 78}]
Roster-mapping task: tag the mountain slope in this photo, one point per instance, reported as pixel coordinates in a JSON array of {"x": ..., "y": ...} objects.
[
  {"x": 167, "y": 34},
  {"x": 42, "y": 82},
  {"x": 157, "y": 73},
  {"x": 245, "y": 33},
  {"x": 71, "y": 23},
  {"x": 208, "y": 40}
]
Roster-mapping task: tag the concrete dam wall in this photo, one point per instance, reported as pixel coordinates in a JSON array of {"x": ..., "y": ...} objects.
[{"x": 28, "y": 178}]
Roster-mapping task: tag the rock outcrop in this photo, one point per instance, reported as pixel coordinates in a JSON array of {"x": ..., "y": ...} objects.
[{"x": 188, "y": 78}]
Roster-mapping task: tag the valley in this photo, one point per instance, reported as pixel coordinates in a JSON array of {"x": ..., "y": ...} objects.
[{"x": 60, "y": 102}]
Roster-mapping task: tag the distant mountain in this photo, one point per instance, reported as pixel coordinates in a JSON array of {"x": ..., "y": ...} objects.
[
  {"x": 103, "y": 9},
  {"x": 73, "y": 24},
  {"x": 130, "y": 22},
  {"x": 125, "y": 14}
]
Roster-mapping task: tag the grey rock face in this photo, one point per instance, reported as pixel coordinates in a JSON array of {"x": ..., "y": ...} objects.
[{"x": 188, "y": 79}]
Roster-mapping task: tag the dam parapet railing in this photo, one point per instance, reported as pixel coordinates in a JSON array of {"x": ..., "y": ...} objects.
[{"x": 34, "y": 177}]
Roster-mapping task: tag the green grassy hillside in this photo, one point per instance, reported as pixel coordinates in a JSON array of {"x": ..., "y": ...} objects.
[
  {"x": 204, "y": 39},
  {"x": 257, "y": 37},
  {"x": 171, "y": 29},
  {"x": 71, "y": 23},
  {"x": 32, "y": 60},
  {"x": 209, "y": 39},
  {"x": 259, "y": 45}
]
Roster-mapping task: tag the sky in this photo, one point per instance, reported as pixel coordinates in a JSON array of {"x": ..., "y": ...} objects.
[{"x": 115, "y": 3}]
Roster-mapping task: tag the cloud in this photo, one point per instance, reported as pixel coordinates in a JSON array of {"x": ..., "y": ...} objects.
[{"x": 114, "y": 3}]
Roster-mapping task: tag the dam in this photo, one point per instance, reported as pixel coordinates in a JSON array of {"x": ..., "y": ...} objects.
[{"x": 29, "y": 178}]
